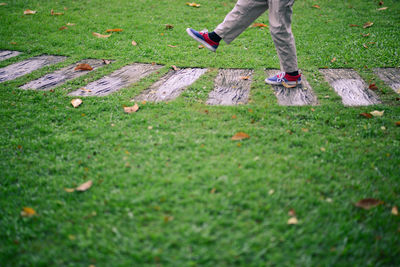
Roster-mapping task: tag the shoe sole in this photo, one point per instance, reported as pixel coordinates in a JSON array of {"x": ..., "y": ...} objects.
[
  {"x": 204, "y": 43},
  {"x": 280, "y": 83}
]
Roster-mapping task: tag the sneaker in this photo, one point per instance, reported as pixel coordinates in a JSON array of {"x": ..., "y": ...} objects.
[
  {"x": 202, "y": 37},
  {"x": 284, "y": 79}
]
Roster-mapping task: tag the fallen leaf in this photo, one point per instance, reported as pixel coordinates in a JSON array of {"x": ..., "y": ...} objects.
[
  {"x": 323, "y": 149},
  {"x": 245, "y": 78},
  {"x": 173, "y": 46},
  {"x": 174, "y": 68},
  {"x": 201, "y": 46},
  {"x": 383, "y": 8},
  {"x": 395, "y": 211},
  {"x": 397, "y": 123},
  {"x": 76, "y": 102},
  {"x": 365, "y": 35},
  {"x": 114, "y": 30},
  {"x": 354, "y": 25},
  {"x": 193, "y": 4},
  {"x": 368, "y": 203},
  {"x": 83, "y": 66},
  {"x": 271, "y": 191},
  {"x": 316, "y": 6},
  {"x": 169, "y": 26},
  {"x": 85, "y": 186},
  {"x": 365, "y": 46},
  {"x": 368, "y": 24},
  {"x": 63, "y": 28},
  {"x": 134, "y": 43},
  {"x": 98, "y": 35},
  {"x": 292, "y": 213},
  {"x": 70, "y": 24},
  {"x": 69, "y": 190},
  {"x": 3, "y": 4},
  {"x": 28, "y": 212},
  {"x": 213, "y": 190},
  {"x": 240, "y": 136},
  {"x": 377, "y": 113},
  {"x": 366, "y": 115},
  {"x": 234, "y": 116},
  {"x": 168, "y": 218},
  {"x": 106, "y": 62},
  {"x": 380, "y": 3},
  {"x": 13, "y": 43},
  {"x": 259, "y": 25},
  {"x": 132, "y": 109},
  {"x": 55, "y": 13},
  {"x": 29, "y": 12},
  {"x": 292, "y": 220},
  {"x": 373, "y": 86},
  {"x": 333, "y": 60}
]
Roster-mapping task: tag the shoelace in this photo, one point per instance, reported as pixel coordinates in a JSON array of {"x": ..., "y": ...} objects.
[{"x": 279, "y": 76}]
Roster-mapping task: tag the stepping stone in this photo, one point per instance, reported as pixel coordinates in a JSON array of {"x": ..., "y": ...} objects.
[
  {"x": 350, "y": 86},
  {"x": 22, "y": 68},
  {"x": 391, "y": 76},
  {"x": 171, "y": 85},
  {"x": 61, "y": 76},
  {"x": 117, "y": 80},
  {"x": 301, "y": 95},
  {"x": 6, "y": 54},
  {"x": 232, "y": 87}
]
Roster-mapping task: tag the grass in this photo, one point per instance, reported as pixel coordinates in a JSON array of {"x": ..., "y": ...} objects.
[{"x": 170, "y": 187}]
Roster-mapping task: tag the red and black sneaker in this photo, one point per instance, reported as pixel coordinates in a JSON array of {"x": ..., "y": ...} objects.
[{"x": 202, "y": 37}]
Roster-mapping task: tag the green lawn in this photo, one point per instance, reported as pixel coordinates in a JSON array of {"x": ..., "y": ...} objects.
[{"x": 170, "y": 187}]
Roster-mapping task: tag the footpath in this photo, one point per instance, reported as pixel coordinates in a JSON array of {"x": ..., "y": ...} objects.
[{"x": 231, "y": 86}]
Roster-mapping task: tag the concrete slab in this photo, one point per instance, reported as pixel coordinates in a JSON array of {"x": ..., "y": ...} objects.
[
  {"x": 63, "y": 75},
  {"x": 351, "y": 87},
  {"x": 301, "y": 95},
  {"x": 171, "y": 85},
  {"x": 6, "y": 54},
  {"x": 390, "y": 76},
  {"x": 22, "y": 68},
  {"x": 232, "y": 87},
  {"x": 117, "y": 80}
]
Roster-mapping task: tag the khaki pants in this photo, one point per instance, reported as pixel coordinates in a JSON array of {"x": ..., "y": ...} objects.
[{"x": 280, "y": 19}]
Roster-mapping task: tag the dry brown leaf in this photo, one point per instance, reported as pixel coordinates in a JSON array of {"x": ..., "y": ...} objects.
[
  {"x": 168, "y": 218},
  {"x": 365, "y": 46},
  {"x": 213, "y": 190},
  {"x": 333, "y": 60},
  {"x": 292, "y": 213},
  {"x": 245, "y": 78},
  {"x": 368, "y": 203},
  {"x": 240, "y": 136},
  {"x": 354, "y": 25},
  {"x": 365, "y": 34},
  {"x": 201, "y": 46},
  {"x": 316, "y": 6},
  {"x": 366, "y": 115},
  {"x": 76, "y": 102},
  {"x": 259, "y": 25},
  {"x": 169, "y": 26},
  {"x": 292, "y": 220},
  {"x": 83, "y": 66},
  {"x": 29, "y": 12},
  {"x": 381, "y": 3},
  {"x": 98, "y": 35},
  {"x": 56, "y": 13},
  {"x": 106, "y": 62},
  {"x": 373, "y": 87},
  {"x": 71, "y": 24},
  {"x": 3, "y": 4},
  {"x": 368, "y": 24},
  {"x": 377, "y": 113},
  {"x": 134, "y": 43},
  {"x": 85, "y": 186},
  {"x": 69, "y": 190},
  {"x": 234, "y": 117},
  {"x": 383, "y": 8},
  {"x": 397, "y": 123},
  {"x": 175, "y": 68},
  {"x": 114, "y": 30},
  {"x": 193, "y": 4},
  {"x": 132, "y": 109},
  {"x": 28, "y": 212},
  {"x": 172, "y": 46},
  {"x": 395, "y": 211},
  {"x": 63, "y": 28}
]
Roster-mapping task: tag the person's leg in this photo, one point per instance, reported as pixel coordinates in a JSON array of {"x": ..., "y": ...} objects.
[
  {"x": 280, "y": 20},
  {"x": 240, "y": 18}
]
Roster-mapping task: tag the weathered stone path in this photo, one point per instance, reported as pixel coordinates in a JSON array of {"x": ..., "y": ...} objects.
[{"x": 231, "y": 86}]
